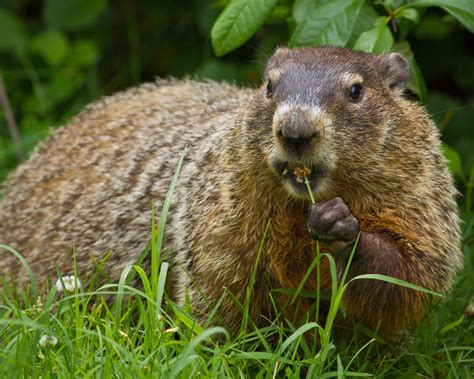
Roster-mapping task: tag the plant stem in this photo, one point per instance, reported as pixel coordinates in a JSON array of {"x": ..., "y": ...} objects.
[
  {"x": 308, "y": 186},
  {"x": 10, "y": 119}
]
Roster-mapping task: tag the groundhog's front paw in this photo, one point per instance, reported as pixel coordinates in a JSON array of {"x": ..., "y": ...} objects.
[{"x": 332, "y": 223}]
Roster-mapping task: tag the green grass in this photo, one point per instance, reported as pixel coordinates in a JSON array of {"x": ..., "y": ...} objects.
[{"x": 141, "y": 333}]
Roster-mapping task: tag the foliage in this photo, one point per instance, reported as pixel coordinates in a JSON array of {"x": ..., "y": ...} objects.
[
  {"x": 61, "y": 55},
  {"x": 322, "y": 22}
]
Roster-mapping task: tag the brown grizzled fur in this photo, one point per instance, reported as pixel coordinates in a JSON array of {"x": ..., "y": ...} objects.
[{"x": 376, "y": 168}]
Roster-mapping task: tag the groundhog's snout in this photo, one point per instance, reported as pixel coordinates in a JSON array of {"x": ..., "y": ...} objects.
[
  {"x": 297, "y": 138},
  {"x": 297, "y": 131}
]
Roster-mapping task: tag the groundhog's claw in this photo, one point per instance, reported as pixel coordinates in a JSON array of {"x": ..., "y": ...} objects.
[{"x": 332, "y": 223}]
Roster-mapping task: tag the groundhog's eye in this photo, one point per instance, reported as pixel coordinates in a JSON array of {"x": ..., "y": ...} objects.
[
  {"x": 355, "y": 93},
  {"x": 269, "y": 92}
]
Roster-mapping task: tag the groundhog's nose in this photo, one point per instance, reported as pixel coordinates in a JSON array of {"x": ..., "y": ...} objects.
[{"x": 297, "y": 139}]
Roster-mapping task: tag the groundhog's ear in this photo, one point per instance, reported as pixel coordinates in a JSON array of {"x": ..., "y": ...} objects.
[
  {"x": 280, "y": 55},
  {"x": 396, "y": 71}
]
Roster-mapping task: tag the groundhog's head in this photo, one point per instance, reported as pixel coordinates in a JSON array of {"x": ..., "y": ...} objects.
[{"x": 327, "y": 110}]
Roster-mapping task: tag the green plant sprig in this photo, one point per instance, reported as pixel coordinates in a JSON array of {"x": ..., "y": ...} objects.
[{"x": 308, "y": 186}]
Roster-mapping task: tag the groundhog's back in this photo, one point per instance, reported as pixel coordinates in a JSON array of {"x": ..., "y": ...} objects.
[{"x": 90, "y": 186}]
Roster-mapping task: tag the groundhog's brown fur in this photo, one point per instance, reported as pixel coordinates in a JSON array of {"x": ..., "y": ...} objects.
[{"x": 376, "y": 163}]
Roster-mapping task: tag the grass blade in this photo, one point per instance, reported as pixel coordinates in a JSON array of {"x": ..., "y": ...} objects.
[
  {"x": 25, "y": 265},
  {"x": 398, "y": 282}
]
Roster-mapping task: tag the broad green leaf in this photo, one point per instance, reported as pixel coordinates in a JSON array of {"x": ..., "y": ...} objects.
[
  {"x": 416, "y": 83},
  {"x": 376, "y": 40},
  {"x": 462, "y": 10},
  {"x": 327, "y": 23},
  {"x": 301, "y": 8},
  {"x": 365, "y": 21},
  {"x": 11, "y": 31},
  {"x": 454, "y": 161},
  {"x": 72, "y": 14},
  {"x": 52, "y": 45},
  {"x": 238, "y": 22},
  {"x": 411, "y": 14},
  {"x": 389, "y": 4}
]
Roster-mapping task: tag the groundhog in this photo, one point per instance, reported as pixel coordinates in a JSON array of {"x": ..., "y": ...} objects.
[{"x": 370, "y": 156}]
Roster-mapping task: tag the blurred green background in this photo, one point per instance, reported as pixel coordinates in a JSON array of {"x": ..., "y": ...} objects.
[{"x": 57, "y": 55}]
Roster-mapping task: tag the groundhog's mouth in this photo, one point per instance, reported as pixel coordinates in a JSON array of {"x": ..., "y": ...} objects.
[{"x": 294, "y": 173}]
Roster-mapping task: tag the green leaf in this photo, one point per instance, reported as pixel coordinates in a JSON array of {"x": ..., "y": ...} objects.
[
  {"x": 365, "y": 21},
  {"x": 83, "y": 53},
  {"x": 72, "y": 14},
  {"x": 424, "y": 364},
  {"x": 11, "y": 30},
  {"x": 389, "y": 4},
  {"x": 255, "y": 355},
  {"x": 51, "y": 45},
  {"x": 454, "y": 161},
  {"x": 398, "y": 282},
  {"x": 24, "y": 263},
  {"x": 376, "y": 40},
  {"x": 340, "y": 368},
  {"x": 326, "y": 23},
  {"x": 301, "y": 8},
  {"x": 187, "y": 320},
  {"x": 410, "y": 14},
  {"x": 298, "y": 334},
  {"x": 238, "y": 22},
  {"x": 416, "y": 83},
  {"x": 452, "y": 325},
  {"x": 182, "y": 362},
  {"x": 462, "y": 10}
]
